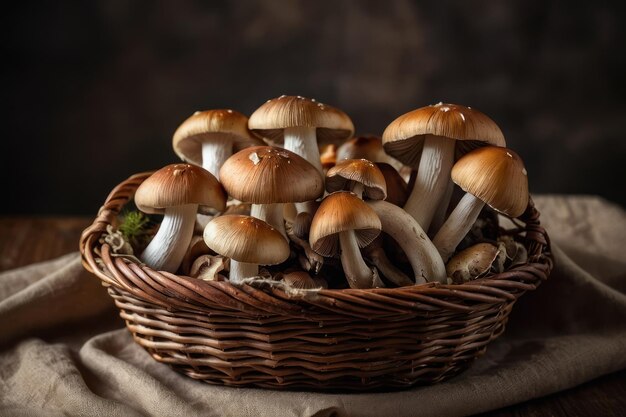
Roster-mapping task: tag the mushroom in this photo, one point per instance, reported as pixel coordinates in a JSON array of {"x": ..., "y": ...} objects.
[
  {"x": 423, "y": 256},
  {"x": 195, "y": 249},
  {"x": 248, "y": 242},
  {"x": 472, "y": 262},
  {"x": 344, "y": 223},
  {"x": 268, "y": 177},
  {"x": 492, "y": 175},
  {"x": 359, "y": 176},
  {"x": 427, "y": 139},
  {"x": 177, "y": 191},
  {"x": 301, "y": 123},
  {"x": 209, "y": 137},
  {"x": 208, "y": 267},
  {"x": 366, "y": 147}
]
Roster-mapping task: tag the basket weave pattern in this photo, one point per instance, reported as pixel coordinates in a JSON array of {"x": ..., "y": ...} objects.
[{"x": 349, "y": 339}]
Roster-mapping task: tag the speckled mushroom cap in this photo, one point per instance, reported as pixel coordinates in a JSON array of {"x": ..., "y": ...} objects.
[
  {"x": 268, "y": 175},
  {"x": 228, "y": 124},
  {"x": 404, "y": 137},
  {"x": 270, "y": 120},
  {"x": 339, "y": 212},
  {"x": 246, "y": 239},
  {"x": 358, "y": 170},
  {"x": 179, "y": 184},
  {"x": 496, "y": 176}
]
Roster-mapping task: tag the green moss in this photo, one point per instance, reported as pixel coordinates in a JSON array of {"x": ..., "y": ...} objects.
[{"x": 136, "y": 227}]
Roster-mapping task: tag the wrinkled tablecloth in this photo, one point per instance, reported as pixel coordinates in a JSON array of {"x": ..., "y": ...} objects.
[{"x": 64, "y": 350}]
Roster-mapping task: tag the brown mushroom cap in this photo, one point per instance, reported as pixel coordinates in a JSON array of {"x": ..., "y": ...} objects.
[
  {"x": 339, "y": 212},
  {"x": 201, "y": 126},
  {"x": 246, "y": 239},
  {"x": 268, "y": 175},
  {"x": 180, "y": 184},
  {"x": 270, "y": 120},
  {"x": 472, "y": 262},
  {"x": 357, "y": 170},
  {"x": 404, "y": 137},
  {"x": 496, "y": 176}
]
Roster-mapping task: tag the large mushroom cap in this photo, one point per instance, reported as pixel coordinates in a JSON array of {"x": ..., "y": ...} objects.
[
  {"x": 267, "y": 175},
  {"x": 404, "y": 137},
  {"x": 223, "y": 124},
  {"x": 496, "y": 176},
  {"x": 246, "y": 239},
  {"x": 179, "y": 184},
  {"x": 340, "y": 212},
  {"x": 358, "y": 170},
  {"x": 270, "y": 120}
]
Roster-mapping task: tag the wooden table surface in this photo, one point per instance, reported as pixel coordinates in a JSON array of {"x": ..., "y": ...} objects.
[{"x": 24, "y": 240}]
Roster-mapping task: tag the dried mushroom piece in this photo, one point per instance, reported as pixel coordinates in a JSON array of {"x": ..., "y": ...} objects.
[{"x": 208, "y": 267}]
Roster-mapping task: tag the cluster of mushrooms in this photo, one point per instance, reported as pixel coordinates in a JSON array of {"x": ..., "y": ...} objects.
[{"x": 365, "y": 212}]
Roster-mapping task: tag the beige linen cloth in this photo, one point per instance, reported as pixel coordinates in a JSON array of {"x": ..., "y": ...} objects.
[{"x": 64, "y": 351}]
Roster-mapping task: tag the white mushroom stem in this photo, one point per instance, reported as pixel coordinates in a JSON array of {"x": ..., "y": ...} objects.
[
  {"x": 425, "y": 260},
  {"x": 440, "y": 214},
  {"x": 458, "y": 224},
  {"x": 214, "y": 153},
  {"x": 302, "y": 140},
  {"x": 432, "y": 179},
  {"x": 167, "y": 249},
  {"x": 357, "y": 188},
  {"x": 272, "y": 214},
  {"x": 358, "y": 274},
  {"x": 241, "y": 270}
]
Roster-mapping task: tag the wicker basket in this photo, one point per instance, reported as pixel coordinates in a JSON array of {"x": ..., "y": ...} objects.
[{"x": 349, "y": 339}]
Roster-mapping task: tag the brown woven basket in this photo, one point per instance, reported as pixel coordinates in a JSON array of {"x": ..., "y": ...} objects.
[{"x": 348, "y": 339}]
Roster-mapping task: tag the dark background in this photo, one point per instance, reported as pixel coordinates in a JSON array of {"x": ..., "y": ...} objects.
[{"x": 93, "y": 90}]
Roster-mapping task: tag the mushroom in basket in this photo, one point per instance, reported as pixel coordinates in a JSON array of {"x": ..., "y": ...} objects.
[
  {"x": 301, "y": 123},
  {"x": 427, "y": 139},
  {"x": 209, "y": 138},
  {"x": 344, "y": 223},
  {"x": 268, "y": 177},
  {"x": 177, "y": 191},
  {"x": 491, "y": 175},
  {"x": 248, "y": 242}
]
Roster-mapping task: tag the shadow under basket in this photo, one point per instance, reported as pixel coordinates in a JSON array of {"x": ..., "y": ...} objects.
[{"x": 348, "y": 339}]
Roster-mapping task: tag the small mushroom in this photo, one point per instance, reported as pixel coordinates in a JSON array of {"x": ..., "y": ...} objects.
[
  {"x": 473, "y": 262},
  {"x": 208, "y": 267},
  {"x": 210, "y": 137},
  {"x": 427, "y": 139},
  {"x": 360, "y": 176},
  {"x": 342, "y": 224},
  {"x": 268, "y": 177},
  {"x": 301, "y": 124},
  {"x": 422, "y": 255},
  {"x": 248, "y": 242},
  {"x": 177, "y": 191},
  {"x": 492, "y": 175}
]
